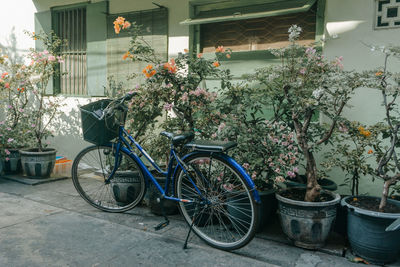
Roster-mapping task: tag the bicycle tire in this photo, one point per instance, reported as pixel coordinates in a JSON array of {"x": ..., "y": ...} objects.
[
  {"x": 93, "y": 165},
  {"x": 228, "y": 217}
]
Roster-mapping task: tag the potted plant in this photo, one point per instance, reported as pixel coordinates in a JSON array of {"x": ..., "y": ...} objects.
[
  {"x": 39, "y": 161},
  {"x": 266, "y": 149},
  {"x": 374, "y": 223},
  {"x": 304, "y": 86},
  {"x": 15, "y": 132}
]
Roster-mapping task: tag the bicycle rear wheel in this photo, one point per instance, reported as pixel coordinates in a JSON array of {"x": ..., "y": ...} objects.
[
  {"x": 223, "y": 213},
  {"x": 90, "y": 171}
]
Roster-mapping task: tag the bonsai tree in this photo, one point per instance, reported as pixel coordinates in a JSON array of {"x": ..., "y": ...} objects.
[
  {"x": 352, "y": 151},
  {"x": 302, "y": 87},
  {"x": 388, "y": 162}
]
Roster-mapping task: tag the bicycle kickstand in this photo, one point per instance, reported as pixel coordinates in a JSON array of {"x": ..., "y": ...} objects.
[
  {"x": 164, "y": 223},
  {"x": 191, "y": 225}
]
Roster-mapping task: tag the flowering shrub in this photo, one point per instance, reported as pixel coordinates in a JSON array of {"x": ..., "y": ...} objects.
[
  {"x": 352, "y": 150},
  {"x": 171, "y": 87},
  {"x": 387, "y": 158},
  {"x": 14, "y": 129},
  {"x": 267, "y": 149},
  {"x": 303, "y": 86},
  {"x": 42, "y": 68}
]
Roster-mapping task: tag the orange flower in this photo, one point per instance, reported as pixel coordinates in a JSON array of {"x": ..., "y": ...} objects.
[
  {"x": 7, "y": 85},
  {"x": 149, "y": 71},
  {"x": 220, "y": 49},
  {"x": 120, "y": 22},
  {"x": 21, "y": 90},
  {"x": 366, "y": 133},
  {"x": 4, "y": 75},
  {"x": 228, "y": 55},
  {"x": 126, "y": 55},
  {"x": 216, "y": 64},
  {"x": 370, "y": 151},
  {"x": 355, "y": 199},
  {"x": 186, "y": 50},
  {"x": 170, "y": 66},
  {"x": 126, "y": 25},
  {"x": 199, "y": 55},
  {"x": 379, "y": 73}
]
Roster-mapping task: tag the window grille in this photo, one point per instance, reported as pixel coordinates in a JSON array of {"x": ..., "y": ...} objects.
[
  {"x": 259, "y": 33},
  {"x": 70, "y": 24},
  {"x": 387, "y": 14}
]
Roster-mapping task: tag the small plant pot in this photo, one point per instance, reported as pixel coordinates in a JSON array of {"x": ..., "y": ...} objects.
[
  {"x": 126, "y": 186},
  {"x": 13, "y": 165},
  {"x": 2, "y": 166},
  {"x": 307, "y": 224},
  {"x": 170, "y": 207},
  {"x": 367, "y": 235},
  {"x": 38, "y": 165}
]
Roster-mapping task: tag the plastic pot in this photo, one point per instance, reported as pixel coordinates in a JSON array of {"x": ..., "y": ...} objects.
[{"x": 367, "y": 233}]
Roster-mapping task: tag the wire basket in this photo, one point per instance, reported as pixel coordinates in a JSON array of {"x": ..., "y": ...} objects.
[{"x": 99, "y": 129}]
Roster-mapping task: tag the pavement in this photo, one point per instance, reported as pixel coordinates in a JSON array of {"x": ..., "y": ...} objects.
[{"x": 49, "y": 224}]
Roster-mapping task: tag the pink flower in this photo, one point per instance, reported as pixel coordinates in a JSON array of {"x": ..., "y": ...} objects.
[
  {"x": 214, "y": 135},
  {"x": 221, "y": 126},
  {"x": 7, "y": 159},
  {"x": 277, "y": 170},
  {"x": 10, "y": 140},
  {"x": 254, "y": 175},
  {"x": 303, "y": 71},
  {"x": 51, "y": 58},
  {"x": 168, "y": 106},
  {"x": 291, "y": 174},
  {"x": 45, "y": 52},
  {"x": 296, "y": 169},
  {"x": 7, "y": 151},
  {"x": 185, "y": 97},
  {"x": 228, "y": 187}
]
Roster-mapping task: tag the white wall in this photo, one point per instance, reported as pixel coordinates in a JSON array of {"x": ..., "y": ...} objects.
[{"x": 17, "y": 15}]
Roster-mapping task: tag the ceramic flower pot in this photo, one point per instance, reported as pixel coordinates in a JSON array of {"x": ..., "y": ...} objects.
[
  {"x": 367, "y": 233},
  {"x": 38, "y": 165},
  {"x": 126, "y": 186},
  {"x": 13, "y": 164},
  {"x": 307, "y": 224}
]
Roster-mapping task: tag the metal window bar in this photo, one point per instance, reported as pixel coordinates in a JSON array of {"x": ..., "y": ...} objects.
[{"x": 72, "y": 27}]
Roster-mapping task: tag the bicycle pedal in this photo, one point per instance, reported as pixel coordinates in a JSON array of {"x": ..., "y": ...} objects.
[{"x": 161, "y": 225}]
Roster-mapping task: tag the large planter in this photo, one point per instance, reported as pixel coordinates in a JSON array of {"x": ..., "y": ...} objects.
[
  {"x": 13, "y": 164},
  {"x": 367, "y": 235},
  {"x": 126, "y": 186},
  {"x": 307, "y": 224},
  {"x": 38, "y": 165}
]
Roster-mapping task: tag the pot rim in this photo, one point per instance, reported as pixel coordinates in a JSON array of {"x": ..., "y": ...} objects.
[
  {"x": 46, "y": 151},
  {"x": 368, "y": 212},
  {"x": 335, "y": 201}
]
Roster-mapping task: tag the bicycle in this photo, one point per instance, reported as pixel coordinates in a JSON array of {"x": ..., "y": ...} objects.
[{"x": 215, "y": 195}]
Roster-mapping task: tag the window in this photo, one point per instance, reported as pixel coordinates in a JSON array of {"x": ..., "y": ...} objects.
[
  {"x": 258, "y": 33},
  {"x": 70, "y": 24}
]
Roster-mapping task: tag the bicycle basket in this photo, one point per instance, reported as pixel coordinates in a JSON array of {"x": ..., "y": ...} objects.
[{"x": 96, "y": 128}]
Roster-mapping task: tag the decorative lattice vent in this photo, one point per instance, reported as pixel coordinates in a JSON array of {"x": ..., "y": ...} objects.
[{"x": 387, "y": 14}]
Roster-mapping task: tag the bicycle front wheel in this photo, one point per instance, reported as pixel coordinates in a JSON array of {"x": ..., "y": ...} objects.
[
  {"x": 223, "y": 211},
  {"x": 90, "y": 174}
]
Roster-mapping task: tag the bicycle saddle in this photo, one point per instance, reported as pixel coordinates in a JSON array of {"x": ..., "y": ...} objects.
[
  {"x": 211, "y": 146},
  {"x": 178, "y": 139}
]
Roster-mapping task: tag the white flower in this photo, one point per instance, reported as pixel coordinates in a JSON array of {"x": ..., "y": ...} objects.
[
  {"x": 317, "y": 93},
  {"x": 294, "y": 33}
]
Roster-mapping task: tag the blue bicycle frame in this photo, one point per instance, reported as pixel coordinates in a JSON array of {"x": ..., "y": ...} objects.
[{"x": 169, "y": 174}]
